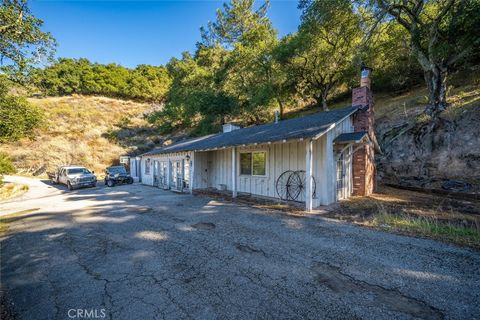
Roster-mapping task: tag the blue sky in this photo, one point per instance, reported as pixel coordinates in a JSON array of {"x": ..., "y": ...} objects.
[{"x": 134, "y": 32}]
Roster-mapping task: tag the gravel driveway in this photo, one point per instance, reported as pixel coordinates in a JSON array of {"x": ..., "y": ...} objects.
[{"x": 136, "y": 252}]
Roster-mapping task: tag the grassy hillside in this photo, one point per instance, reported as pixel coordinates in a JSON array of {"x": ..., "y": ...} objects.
[
  {"x": 95, "y": 131},
  {"x": 92, "y": 131}
]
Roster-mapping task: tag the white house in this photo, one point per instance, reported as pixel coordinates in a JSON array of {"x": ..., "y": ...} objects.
[{"x": 317, "y": 159}]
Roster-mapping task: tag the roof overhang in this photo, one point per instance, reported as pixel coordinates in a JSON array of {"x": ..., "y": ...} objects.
[
  {"x": 307, "y": 136},
  {"x": 351, "y": 137}
]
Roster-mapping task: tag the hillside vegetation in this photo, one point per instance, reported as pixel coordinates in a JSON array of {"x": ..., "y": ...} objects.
[
  {"x": 86, "y": 130},
  {"x": 95, "y": 131},
  {"x": 417, "y": 157}
]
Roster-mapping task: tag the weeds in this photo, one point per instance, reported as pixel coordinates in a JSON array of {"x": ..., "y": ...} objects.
[
  {"x": 10, "y": 190},
  {"x": 465, "y": 234}
]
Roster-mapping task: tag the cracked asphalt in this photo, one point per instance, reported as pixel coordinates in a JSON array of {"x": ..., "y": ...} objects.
[{"x": 138, "y": 252}]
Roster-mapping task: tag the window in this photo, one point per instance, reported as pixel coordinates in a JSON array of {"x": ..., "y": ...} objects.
[
  {"x": 253, "y": 163},
  {"x": 258, "y": 163},
  {"x": 77, "y": 171},
  {"x": 147, "y": 166},
  {"x": 246, "y": 163}
]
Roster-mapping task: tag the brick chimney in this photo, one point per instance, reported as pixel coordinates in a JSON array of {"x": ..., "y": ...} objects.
[{"x": 363, "y": 166}]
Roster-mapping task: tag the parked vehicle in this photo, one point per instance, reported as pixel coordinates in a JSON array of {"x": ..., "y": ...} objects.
[
  {"x": 117, "y": 174},
  {"x": 74, "y": 177}
]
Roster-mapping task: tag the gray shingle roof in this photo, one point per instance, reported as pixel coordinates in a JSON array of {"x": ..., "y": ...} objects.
[
  {"x": 302, "y": 127},
  {"x": 350, "y": 137}
]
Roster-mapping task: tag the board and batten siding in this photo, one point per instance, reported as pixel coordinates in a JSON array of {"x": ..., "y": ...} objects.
[
  {"x": 214, "y": 168},
  {"x": 148, "y": 178}
]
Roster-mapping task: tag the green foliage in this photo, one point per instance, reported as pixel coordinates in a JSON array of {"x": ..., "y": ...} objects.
[
  {"x": 6, "y": 164},
  {"x": 322, "y": 55},
  {"x": 442, "y": 35},
  {"x": 71, "y": 76},
  {"x": 18, "y": 118},
  {"x": 396, "y": 69},
  {"x": 22, "y": 41},
  {"x": 242, "y": 71},
  {"x": 233, "y": 74},
  {"x": 236, "y": 23}
]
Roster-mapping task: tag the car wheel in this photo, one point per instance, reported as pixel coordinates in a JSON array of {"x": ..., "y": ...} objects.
[
  {"x": 130, "y": 180},
  {"x": 110, "y": 183},
  {"x": 69, "y": 186}
]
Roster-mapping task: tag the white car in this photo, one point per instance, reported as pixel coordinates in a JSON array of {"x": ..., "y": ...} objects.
[{"x": 75, "y": 177}]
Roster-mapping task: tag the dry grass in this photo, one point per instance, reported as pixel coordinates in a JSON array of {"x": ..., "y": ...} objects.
[
  {"x": 416, "y": 214},
  {"x": 11, "y": 190},
  {"x": 463, "y": 95},
  {"x": 76, "y": 131}
]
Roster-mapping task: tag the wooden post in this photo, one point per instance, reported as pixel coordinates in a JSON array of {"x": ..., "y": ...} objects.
[
  {"x": 191, "y": 167},
  {"x": 308, "y": 175},
  {"x": 234, "y": 172},
  {"x": 169, "y": 172},
  {"x": 182, "y": 174}
]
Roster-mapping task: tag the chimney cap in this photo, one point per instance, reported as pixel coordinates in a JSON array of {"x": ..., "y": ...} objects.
[
  {"x": 230, "y": 126},
  {"x": 366, "y": 71}
]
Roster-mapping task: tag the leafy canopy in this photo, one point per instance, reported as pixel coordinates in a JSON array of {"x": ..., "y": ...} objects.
[{"x": 22, "y": 42}]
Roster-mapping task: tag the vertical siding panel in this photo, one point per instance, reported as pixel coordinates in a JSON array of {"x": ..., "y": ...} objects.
[
  {"x": 229, "y": 168},
  {"x": 301, "y": 155},
  {"x": 271, "y": 170}
]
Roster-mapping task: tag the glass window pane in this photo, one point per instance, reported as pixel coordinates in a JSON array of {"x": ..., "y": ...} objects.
[
  {"x": 246, "y": 163},
  {"x": 259, "y": 163}
]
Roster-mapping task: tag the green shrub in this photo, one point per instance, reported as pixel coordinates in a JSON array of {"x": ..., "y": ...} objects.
[
  {"x": 6, "y": 165},
  {"x": 18, "y": 118}
]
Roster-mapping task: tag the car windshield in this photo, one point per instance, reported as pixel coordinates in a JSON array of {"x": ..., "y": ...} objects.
[
  {"x": 117, "y": 170},
  {"x": 77, "y": 170}
]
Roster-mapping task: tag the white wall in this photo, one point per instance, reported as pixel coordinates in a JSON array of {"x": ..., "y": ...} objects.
[
  {"x": 148, "y": 178},
  {"x": 212, "y": 168}
]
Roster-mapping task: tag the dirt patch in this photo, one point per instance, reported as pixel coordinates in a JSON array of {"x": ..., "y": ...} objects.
[
  {"x": 340, "y": 283},
  {"x": 295, "y": 209},
  {"x": 415, "y": 214},
  {"x": 204, "y": 226}
]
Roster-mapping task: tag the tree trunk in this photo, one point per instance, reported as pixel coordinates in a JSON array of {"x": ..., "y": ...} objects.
[
  {"x": 324, "y": 100},
  {"x": 436, "y": 80},
  {"x": 280, "y": 107}
]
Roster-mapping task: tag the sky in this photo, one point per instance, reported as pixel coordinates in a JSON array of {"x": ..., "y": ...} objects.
[{"x": 137, "y": 32}]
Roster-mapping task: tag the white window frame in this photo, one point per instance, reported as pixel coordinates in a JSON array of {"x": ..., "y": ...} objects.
[{"x": 251, "y": 163}]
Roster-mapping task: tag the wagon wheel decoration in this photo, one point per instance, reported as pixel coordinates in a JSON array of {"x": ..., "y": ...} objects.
[
  {"x": 282, "y": 185},
  {"x": 291, "y": 185}
]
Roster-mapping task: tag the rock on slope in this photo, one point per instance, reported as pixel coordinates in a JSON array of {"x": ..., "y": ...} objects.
[{"x": 413, "y": 155}]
